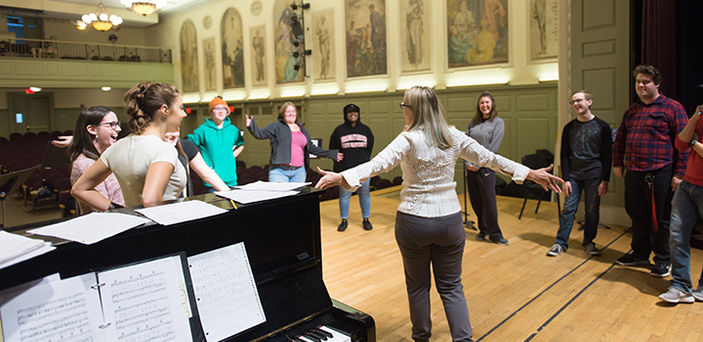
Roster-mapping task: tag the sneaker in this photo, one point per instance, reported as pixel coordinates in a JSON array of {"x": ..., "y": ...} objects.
[
  {"x": 481, "y": 236},
  {"x": 500, "y": 240},
  {"x": 556, "y": 250},
  {"x": 591, "y": 249},
  {"x": 342, "y": 226},
  {"x": 660, "y": 270},
  {"x": 367, "y": 224},
  {"x": 675, "y": 295},
  {"x": 630, "y": 259},
  {"x": 698, "y": 294}
]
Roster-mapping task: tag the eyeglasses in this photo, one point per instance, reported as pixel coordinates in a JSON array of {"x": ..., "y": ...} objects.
[
  {"x": 402, "y": 104},
  {"x": 576, "y": 101},
  {"x": 112, "y": 125},
  {"x": 219, "y": 108}
]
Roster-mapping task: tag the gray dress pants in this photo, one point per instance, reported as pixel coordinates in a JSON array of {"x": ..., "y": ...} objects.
[{"x": 438, "y": 241}]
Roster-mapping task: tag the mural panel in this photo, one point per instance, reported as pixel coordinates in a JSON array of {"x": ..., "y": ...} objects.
[
  {"x": 477, "y": 32},
  {"x": 323, "y": 44},
  {"x": 289, "y": 51},
  {"x": 366, "y": 37},
  {"x": 544, "y": 29},
  {"x": 415, "y": 35},
  {"x": 258, "y": 55},
  {"x": 232, "y": 49},
  {"x": 210, "y": 72},
  {"x": 189, "y": 58}
]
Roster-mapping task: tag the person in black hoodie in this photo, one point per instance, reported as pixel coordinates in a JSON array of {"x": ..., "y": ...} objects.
[{"x": 355, "y": 141}]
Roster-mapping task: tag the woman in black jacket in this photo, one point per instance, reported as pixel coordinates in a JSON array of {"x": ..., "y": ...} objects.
[{"x": 290, "y": 145}]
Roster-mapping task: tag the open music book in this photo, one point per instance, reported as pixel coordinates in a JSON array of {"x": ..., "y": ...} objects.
[{"x": 144, "y": 301}]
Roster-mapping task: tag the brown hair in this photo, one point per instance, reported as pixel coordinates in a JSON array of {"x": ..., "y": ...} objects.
[
  {"x": 282, "y": 111},
  {"x": 478, "y": 118},
  {"x": 144, "y": 100},
  {"x": 648, "y": 70},
  {"x": 82, "y": 142}
]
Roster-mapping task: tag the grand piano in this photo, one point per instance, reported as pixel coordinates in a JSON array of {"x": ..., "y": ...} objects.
[{"x": 282, "y": 239}]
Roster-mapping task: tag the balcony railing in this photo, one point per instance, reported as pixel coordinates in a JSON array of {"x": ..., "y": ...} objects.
[{"x": 51, "y": 49}]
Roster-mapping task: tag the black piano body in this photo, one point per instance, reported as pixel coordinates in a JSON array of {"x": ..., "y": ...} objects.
[{"x": 282, "y": 240}]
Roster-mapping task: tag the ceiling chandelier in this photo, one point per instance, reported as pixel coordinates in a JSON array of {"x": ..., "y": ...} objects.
[
  {"x": 101, "y": 21},
  {"x": 144, "y": 7}
]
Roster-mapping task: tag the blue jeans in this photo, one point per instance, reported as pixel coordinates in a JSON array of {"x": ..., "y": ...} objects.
[
  {"x": 571, "y": 203},
  {"x": 364, "y": 200},
  {"x": 287, "y": 174},
  {"x": 686, "y": 208}
]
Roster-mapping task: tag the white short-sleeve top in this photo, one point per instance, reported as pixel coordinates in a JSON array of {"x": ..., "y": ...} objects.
[{"x": 129, "y": 159}]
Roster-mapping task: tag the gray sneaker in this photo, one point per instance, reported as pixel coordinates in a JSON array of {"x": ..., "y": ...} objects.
[
  {"x": 675, "y": 295},
  {"x": 591, "y": 249},
  {"x": 698, "y": 294},
  {"x": 555, "y": 250}
]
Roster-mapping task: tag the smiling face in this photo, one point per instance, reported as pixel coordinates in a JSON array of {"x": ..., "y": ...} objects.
[
  {"x": 290, "y": 115},
  {"x": 352, "y": 117},
  {"x": 645, "y": 87},
  {"x": 176, "y": 113},
  {"x": 485, "y": 105},
  {"x": 105, "y": 133},
  {"x": 580, "y": 104},
  {"x": 219, "y": 113}
]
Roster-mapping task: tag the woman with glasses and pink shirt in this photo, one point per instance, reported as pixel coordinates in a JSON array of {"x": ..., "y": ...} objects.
[{"x": 96, "y": 130}]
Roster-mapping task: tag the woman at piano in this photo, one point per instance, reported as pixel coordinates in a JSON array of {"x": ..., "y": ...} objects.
[
  {"x": 429, "y": 227},
  {"x": 146, "y": 166}
]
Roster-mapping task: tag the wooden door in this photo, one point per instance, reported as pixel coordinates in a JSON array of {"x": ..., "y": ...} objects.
[{"x": 35, "y": 111}]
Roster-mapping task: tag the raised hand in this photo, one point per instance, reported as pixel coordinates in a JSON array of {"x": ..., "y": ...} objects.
[
  {"x": 328, "y": 180},
  {"x": 545, "y": 179}
]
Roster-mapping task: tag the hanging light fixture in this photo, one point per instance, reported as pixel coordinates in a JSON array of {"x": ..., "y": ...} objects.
[
  {"x": 101, "y": 21},
  {"x": 144, "y": 7},
  {"x": 80, "y": 25}
]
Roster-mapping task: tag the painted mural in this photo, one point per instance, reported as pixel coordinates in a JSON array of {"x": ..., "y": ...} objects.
[
  {"x": 323, "y": 44},
  {"x": 257, "y": 35},
  {"x": 189, "y": 58},
  {"x": 365, "y": 25},
  {"x": 477, "y": 32},
  {"x": 415, "y": 35},
  {"x": 210, "y": 70},
  {"x": 232, "y": 49},
  {"x": 289, "y": 47}
]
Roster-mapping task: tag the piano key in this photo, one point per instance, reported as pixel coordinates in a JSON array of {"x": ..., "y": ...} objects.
[
  {"x": 337, "y": 336},
  {"x": 321, "y": 336},
  {"x": 318, "y": 330}
]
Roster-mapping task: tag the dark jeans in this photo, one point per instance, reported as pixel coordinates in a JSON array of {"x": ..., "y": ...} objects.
[
  {"x": 482, "y": 193},
  {"x": 438, "y": 241},
  {"x": 589, "y": 187},
  {"x": 686, "y": 209},
  {"x": 638, "y": 204}
]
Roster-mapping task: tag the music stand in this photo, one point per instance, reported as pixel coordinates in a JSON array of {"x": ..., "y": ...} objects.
[
  {"x": 467, "y": 223},
  {"x": 7, "y": 182}
]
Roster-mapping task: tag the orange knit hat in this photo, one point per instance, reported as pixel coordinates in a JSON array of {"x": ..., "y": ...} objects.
[{"x": 216, "y": 102}]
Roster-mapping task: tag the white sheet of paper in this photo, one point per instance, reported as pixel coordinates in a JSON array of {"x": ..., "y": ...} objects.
[
  {"x": 45, "y": 248},
  {"x": 15, "y": 245},
  {"x": 50, "y": 309},
  {"x": 91, "y": 228},
  {"x": 272, "y": 186},
  {"x": 145, "y": 301},
  {"x": 251, "y": 196},
  {"x": 225, "y": 291},
  {"x": 180, "y": 212}
]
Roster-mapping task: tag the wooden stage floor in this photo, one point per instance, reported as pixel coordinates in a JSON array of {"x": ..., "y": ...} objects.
[{"x": 515, "y": 292}]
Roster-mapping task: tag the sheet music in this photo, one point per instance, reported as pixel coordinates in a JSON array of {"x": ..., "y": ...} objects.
[
  {"x": 251, "y": 196},
  {"x": 147, "y": 301},
  {"x": 52, "y": 310},
  {"x": 46, "y": 247},
  {"x": 13, "y": 246},
  {"x": 180, "y": 212},
  {"x": 272, "y": 186},
  {"x": 91, "y": 228},
  {"x": 225, "y": 290}
]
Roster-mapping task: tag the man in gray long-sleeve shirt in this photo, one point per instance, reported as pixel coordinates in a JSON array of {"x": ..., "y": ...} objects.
[{"x": 586, "y": 157}]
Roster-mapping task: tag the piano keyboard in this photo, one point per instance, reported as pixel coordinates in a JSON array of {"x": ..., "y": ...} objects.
[{"x": 322, "y": 333}]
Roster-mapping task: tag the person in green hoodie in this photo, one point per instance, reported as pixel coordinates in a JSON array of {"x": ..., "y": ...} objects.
[{"x": 220, "y": 142}]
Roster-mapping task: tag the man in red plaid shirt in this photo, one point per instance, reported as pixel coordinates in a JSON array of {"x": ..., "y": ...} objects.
[{"x": 645, "y": 140}]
